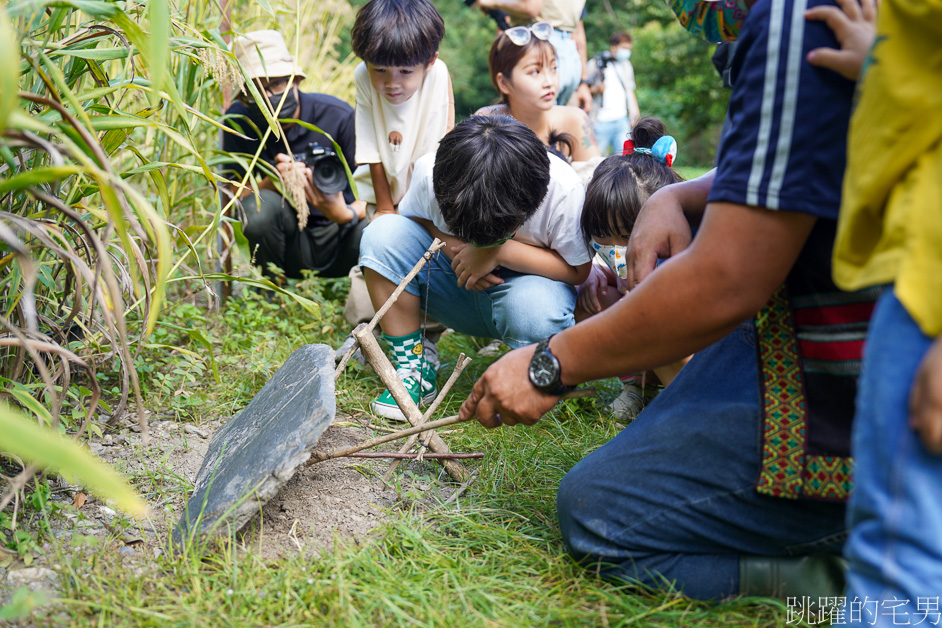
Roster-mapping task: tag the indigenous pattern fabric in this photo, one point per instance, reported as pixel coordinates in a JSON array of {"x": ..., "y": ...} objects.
[
  {"x": 810, "y": 342},
  {"x": 712, "y": 20}
]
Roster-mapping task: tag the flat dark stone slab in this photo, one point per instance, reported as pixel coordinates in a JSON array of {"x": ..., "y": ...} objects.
[{"x": 253, "y": 455}]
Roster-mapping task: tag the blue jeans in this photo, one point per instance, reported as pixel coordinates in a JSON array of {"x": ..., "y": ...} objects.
[
  {"x": 895, "y": 512},
  {"x": 522, "y": 310},
  {"x": 568, "y": 65},
  {"x": 672, "y": 497},
  {"x": 612, "y": 134}
]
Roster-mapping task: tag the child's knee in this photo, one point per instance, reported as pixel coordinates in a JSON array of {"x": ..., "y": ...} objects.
[{"x": 534, "y": 308}]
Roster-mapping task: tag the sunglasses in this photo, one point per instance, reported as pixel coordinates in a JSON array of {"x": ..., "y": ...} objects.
[{"x": 520, "y": 35}]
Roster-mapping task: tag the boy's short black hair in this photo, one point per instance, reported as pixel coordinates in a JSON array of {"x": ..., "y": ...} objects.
[
  {"x": 491, "y": 174},
  {"x": 397, "y": 33}
]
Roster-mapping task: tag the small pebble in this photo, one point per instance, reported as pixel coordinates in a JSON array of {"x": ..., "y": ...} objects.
[
  {"x": 192, "y": 429},
  {"x": 107, "y": 440}
]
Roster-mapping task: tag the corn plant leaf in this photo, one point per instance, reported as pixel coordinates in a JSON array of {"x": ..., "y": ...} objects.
[
  {"x": 9, "y": 68},
  {"x": 22, "y": 394},
  {"x": 22, "y": 437},
  {"x": 37, "y": 176},
  {"x": 98, "y": 54},
  {"x": 159, "y": 40},
  {"x": 94, "y": 8}
]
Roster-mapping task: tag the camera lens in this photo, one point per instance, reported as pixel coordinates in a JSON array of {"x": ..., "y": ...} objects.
[{"x": 329, "y": 175}]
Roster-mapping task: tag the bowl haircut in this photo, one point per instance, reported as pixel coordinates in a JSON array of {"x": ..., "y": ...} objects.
[
  {"x": 491, "y": 174},
  {"x": 397, "y": 33}
]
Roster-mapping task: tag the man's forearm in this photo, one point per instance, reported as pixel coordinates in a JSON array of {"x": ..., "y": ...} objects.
[
  {"x": 738, "y": 259},
  {"x": 523, "y": 9}
]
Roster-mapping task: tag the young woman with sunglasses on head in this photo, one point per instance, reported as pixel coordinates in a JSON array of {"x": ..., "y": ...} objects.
[{"x": 523, "y": 70}]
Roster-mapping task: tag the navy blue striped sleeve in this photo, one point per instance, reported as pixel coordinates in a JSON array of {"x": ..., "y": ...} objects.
[{"x": 786, "y": 144}]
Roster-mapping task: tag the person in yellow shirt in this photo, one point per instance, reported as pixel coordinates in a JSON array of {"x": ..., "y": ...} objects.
[{"x": 890, "y": 233}]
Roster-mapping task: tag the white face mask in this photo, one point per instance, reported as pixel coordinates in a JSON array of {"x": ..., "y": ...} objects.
[
  {"x": 614, "y": 256},
  {"x": 622, "y": 54}
]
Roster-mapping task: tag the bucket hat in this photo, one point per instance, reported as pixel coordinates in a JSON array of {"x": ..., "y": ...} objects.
[{"x": 264, "y": 54}]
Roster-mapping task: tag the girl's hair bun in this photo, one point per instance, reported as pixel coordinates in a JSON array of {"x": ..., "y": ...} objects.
[{"x": 647, "y": 131}]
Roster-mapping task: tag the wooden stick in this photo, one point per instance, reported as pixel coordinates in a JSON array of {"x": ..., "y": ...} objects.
[
  {"x": 380, "y": 363},
  {"x": 321, "y": 456},
  {"x": 459, "y": 367},
  {"x": 398, "y": 455},
  {"x": 436, "y": 245}
]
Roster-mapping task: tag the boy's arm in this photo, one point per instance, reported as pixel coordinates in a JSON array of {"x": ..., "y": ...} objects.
[
  {"x": 471, "y": 263},
  {"x": 452, "y": 245},
  {"x": 535, "y": 260},
  {"x": 384, "y": 202}
]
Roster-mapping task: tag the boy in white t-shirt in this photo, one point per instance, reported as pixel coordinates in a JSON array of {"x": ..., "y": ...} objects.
[
  {"x": 509, "y": 213},
  {"x": 404, "y": 101}
]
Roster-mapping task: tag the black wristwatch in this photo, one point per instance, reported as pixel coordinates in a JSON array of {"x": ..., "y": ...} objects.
[{"x": 545, "y": 371}]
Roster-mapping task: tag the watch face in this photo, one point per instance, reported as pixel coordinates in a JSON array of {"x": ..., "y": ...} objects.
[{"x": 544, "y": 370}]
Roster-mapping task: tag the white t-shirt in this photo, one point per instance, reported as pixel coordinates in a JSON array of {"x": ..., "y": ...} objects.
[
  {"x": 619, "y": 76},
  {"x": 554, "y": 225},
  {"x": 397, "y": 135}
]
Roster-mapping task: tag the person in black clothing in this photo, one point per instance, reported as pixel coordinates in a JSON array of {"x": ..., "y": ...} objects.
[{"x": 329, "y": 242}]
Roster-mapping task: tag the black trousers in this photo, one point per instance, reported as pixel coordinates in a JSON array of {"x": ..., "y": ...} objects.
[{"x": 271, "y": 227}]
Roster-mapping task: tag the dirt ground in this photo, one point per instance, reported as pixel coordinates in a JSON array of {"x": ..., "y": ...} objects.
[{"x": 340, "y": 500}]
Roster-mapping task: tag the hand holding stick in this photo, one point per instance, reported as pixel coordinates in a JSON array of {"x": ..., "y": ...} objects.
[{"x": 321, "y": 456}]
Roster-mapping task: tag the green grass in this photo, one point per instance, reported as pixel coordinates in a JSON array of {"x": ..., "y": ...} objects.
[
  {"x": 493, "y": 558},
  {"x": 692, "y": 172}
]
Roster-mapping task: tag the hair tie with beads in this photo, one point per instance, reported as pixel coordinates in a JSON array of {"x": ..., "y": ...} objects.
[{"x": 664, "y": 150}]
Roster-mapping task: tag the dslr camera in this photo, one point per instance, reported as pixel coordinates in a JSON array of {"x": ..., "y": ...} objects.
[{"x": 326, "y": 168}]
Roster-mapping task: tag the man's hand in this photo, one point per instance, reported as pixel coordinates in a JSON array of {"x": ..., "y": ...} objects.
[
  {"x": 925, "y": 400},
  {"x": 332, "y": 206},
  {"x": 504, "y": 394},
  {"x": 472, "y": 265},
  {"x": 660, "y": 231},
  {"x": 584, "y": 97},
  {"x": 854, "y": 26}
]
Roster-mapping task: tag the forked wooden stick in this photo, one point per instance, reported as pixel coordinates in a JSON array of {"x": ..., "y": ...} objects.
[
  {"x": 380, "y": 363},
  {"x": 321, "y": 456},
  {"x": 432, "y": 409},
  {"x": 436, "y": 245}
]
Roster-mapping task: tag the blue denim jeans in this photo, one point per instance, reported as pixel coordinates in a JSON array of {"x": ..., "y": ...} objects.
[
  {"x": 568, "y": 65},
  {"x": 611, "y": 135},
  {"x": 672, "y": 497},
  {"x": 522, "y": 310},
  {"x": 895, "y": 512}
]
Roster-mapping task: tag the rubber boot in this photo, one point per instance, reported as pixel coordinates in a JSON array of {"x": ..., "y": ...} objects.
[{"x": 815, "y": 576}]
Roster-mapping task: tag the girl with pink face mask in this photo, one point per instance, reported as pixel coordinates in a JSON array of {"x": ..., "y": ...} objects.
[{"x": 619, "y": 187}]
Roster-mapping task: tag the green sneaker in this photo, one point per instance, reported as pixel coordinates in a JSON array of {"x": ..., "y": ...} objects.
[{"x": 386, "y": 406}]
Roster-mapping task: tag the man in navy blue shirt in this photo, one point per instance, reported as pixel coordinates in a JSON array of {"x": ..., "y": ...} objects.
[
  {"x": 733, "y": 479},
  {"x": 329, "y": 242}
]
